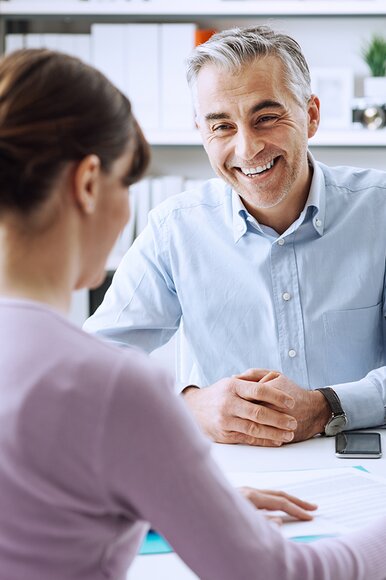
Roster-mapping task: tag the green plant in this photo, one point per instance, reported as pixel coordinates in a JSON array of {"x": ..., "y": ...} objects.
[{"x": 374, "y": 54}]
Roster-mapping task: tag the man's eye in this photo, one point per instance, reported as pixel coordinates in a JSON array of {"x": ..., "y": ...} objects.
[
  {"x": 222, "y": 127},
  {"x": 267, "y": 119}
]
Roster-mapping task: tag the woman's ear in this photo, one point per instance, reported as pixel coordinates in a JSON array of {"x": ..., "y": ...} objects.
[{"x": 86, "y": 183}]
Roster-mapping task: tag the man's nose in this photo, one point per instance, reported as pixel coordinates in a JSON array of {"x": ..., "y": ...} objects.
[{"x": 247, "y": 144}]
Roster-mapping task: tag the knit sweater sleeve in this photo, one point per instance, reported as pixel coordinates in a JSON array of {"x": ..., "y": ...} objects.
[{"x": 158, "y": 466}]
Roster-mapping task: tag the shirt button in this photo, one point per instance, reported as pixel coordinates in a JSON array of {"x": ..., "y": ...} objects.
[
  {"x": 318, "y": 223},
  {"x": 281, "y": 242},
  {"x": 292, "y": 353},
  {"x": 286, "y": 296}
]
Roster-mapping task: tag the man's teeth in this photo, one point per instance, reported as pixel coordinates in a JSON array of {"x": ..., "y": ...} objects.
[{"x": 254, "y": 170}]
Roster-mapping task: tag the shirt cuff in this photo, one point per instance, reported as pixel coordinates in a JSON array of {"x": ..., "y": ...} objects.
[
  {"x": 362, "y": 403},
  {"x": 181, "y": 388}
]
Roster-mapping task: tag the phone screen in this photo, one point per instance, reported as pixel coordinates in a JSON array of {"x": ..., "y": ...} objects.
[{"x": 358, "y": 444}]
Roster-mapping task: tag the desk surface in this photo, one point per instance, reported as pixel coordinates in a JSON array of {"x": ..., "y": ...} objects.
[{"x": 316, "y": 453}]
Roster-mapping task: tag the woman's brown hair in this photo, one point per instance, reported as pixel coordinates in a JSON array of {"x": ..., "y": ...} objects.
[{"x": 53, "y": 109}]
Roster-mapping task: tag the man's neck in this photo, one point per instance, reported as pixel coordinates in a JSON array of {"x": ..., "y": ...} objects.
[{"x": 282, "y": 216}]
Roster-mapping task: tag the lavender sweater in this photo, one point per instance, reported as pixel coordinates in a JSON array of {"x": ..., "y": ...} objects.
[{"x": 94, "y": 445}]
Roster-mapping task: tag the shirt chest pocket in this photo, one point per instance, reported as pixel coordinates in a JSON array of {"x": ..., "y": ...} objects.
[{"x": 353, "y": 343}]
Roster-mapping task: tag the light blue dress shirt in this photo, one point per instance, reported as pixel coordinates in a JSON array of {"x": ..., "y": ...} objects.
[{"x": 310, "y": 302}]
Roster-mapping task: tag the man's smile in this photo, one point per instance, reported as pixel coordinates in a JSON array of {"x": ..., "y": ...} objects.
[{"x": 251, "y": 171}]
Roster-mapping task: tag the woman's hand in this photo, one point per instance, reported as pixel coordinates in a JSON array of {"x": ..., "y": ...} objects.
[{"x": 279, "y": 501}]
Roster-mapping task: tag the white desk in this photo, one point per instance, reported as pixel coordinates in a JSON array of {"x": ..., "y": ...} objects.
[{"x": 316, "y": 453}]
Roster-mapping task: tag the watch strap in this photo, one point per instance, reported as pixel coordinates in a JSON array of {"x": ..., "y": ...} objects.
[
  {"x": 332, "y": 399},
  {"x": 338, "y": 420}
]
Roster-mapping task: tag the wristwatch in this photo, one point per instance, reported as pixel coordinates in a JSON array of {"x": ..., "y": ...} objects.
[{"x": 338, "y": 419}]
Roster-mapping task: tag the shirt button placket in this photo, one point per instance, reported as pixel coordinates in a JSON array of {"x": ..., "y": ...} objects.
[{"x": 288, "y": 310}]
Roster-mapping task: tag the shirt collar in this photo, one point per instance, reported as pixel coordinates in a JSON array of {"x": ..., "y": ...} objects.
[
  {"x": 316, "y": 201},
  {"x": 317, "y": 197},
  {"x": 240, "y": 215}
]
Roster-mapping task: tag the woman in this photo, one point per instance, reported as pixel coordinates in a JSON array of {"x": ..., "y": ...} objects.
[{"x": 92, "y": 447}]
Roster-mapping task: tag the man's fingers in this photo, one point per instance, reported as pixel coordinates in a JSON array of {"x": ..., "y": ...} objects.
[
  {"x": 262, "y": 415},
  {"x": 242, "y": 411},
  {"x": 234, "y": 437},
  {"x": 269, "y": 376},
  {"x": 274, "y": 501},
  {"x": 258, "y": 431},
  {"x": 258, "y": 375},
  {"x": 264, "y": 392},
  {"x": 253, "y": 374}
]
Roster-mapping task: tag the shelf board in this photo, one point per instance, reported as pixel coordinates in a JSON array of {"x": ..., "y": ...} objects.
[
  {"x": 347, "y": 138},
  {"x": 173, "y": 138},
  {"x": 177, "y": 8}
]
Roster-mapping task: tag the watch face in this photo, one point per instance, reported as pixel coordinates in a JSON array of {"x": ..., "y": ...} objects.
[{"x": 335, "y": 425}]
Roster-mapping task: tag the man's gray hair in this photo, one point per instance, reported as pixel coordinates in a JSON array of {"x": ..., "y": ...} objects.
[{"x": 236, "y": 47}]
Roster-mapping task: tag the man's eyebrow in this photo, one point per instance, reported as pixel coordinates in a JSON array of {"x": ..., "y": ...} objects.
[
  {"x": 267, "y": 104},
  {"x": 216, "y": 116}
]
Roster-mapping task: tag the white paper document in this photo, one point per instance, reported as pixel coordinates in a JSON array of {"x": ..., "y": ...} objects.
[{"x": 347, "y": 498}]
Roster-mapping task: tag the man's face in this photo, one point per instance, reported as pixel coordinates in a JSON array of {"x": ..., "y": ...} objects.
[{"x": 255, "y": 132}]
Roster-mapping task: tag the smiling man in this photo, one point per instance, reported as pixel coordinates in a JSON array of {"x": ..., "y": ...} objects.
[
  {"x": 255, "y": 133},
  {"x": 277, "y": 264}
]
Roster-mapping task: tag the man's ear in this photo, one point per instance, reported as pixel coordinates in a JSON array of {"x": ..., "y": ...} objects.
[
  {"x": 313, "y": 109},
  {"x": 86, "y": 183},
  {"x": 196, "y": 119}
]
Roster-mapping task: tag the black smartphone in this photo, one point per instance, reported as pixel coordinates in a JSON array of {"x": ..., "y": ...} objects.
[{"x": 358, "y": 445}]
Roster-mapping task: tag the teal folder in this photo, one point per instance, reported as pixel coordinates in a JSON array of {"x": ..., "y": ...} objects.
[{"x": 155, "y": 544}]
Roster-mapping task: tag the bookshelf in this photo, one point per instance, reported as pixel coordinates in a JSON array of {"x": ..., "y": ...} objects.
[
  {"x": 324, "y": 17},
  {"x": 330, "y": 32},
  {"x": 343, "y": 138},
  {"x": 197, "y": 9}
]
